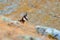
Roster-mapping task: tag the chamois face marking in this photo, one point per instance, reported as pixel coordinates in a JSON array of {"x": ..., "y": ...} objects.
[{"x": 24, "y": 18}]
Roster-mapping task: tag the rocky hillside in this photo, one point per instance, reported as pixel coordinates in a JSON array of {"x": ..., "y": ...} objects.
[{"x": 39, "y": 12}]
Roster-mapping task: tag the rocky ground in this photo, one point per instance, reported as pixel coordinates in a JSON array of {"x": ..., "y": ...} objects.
[{"x": 40, "y": 12}]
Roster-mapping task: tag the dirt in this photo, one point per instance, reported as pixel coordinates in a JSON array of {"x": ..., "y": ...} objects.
[{"x": 46, "y": 13}]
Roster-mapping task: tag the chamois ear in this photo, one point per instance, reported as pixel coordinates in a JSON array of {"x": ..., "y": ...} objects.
[{"x": 25, "y": 17}]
